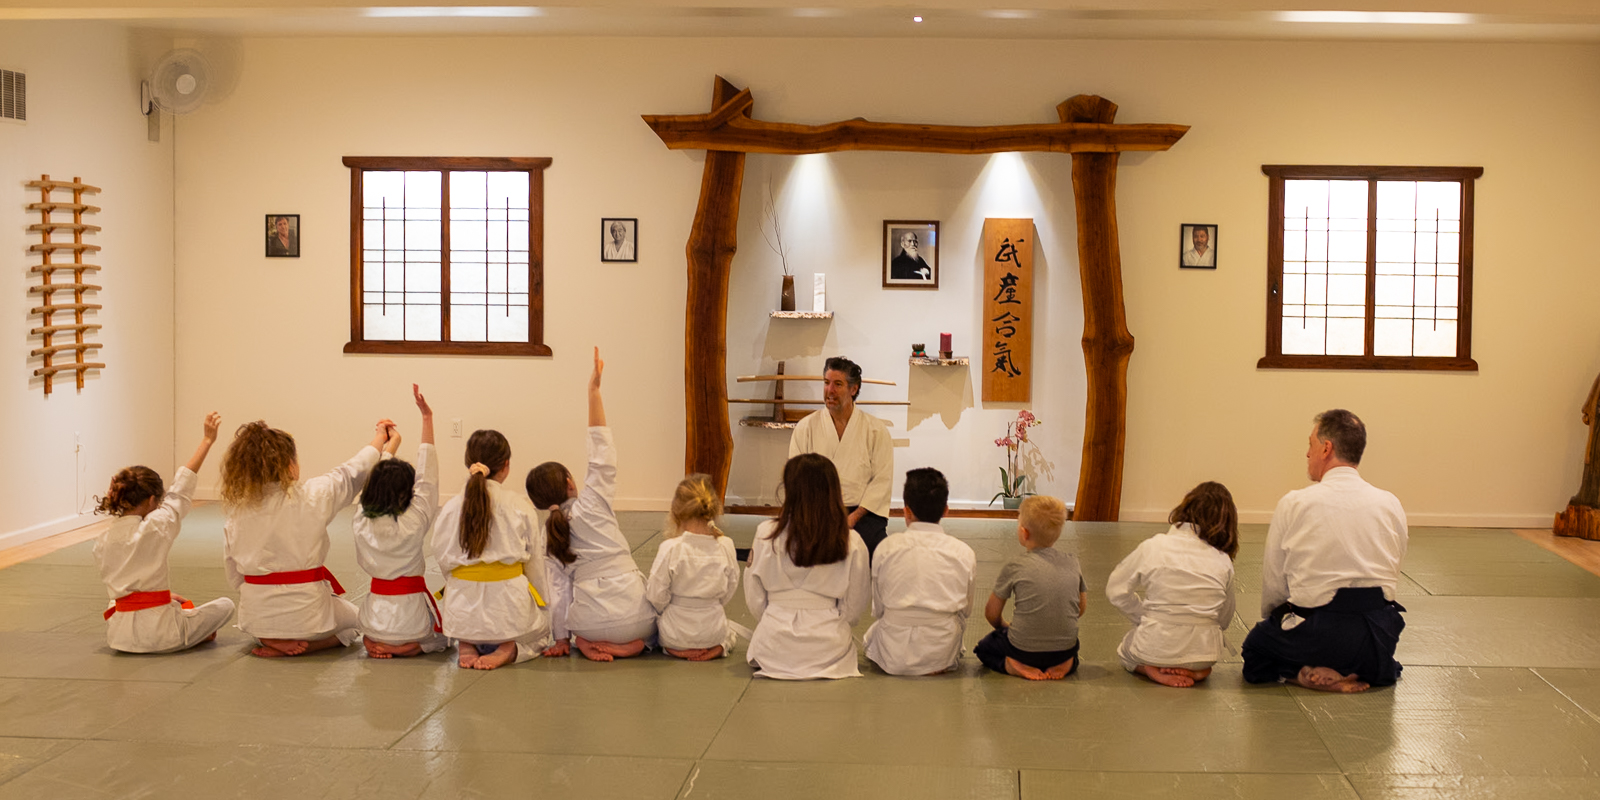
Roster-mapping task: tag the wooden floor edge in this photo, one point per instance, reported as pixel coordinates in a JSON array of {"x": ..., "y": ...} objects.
[
  {"x": 1580, "y": 552},
  {"x": 13, "y": 556},
  {"x": 894, "y": 513}
]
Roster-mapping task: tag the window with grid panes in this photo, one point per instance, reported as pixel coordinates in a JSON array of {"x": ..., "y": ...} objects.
[
  {"x": 1369, "y": 267},
  {"x": 446, "y": 256}
]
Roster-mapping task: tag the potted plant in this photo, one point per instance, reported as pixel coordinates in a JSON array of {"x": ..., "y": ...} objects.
[
  {"x": 1011, "y": 478},
  {"x": 775, "y": 241}
]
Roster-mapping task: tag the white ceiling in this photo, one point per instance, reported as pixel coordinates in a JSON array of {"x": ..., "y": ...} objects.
[{"x": 1442, "y": 20}]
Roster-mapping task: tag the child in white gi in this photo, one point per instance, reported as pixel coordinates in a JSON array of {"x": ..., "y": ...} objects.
[
  {"x": 808, "y": 579},
  {"x": 1177, "y": 589},
  {"x": 493, "y": 561},
  {"x": 275, "y": 538},
  {"x": 597, "y": 591},
  {"x": 922, "y": 586},
  {"x": 391, "y": 531},
  {"x": 146, "y": 617},
  {"x": 695, "y": 574}
]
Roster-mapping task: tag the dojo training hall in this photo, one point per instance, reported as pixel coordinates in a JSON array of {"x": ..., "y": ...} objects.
[{"x": 1483, "y": 445}]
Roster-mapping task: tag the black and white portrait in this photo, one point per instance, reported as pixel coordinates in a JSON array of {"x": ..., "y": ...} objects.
[
  {"x": 1197, "y": 246},
  {"x": 619, "y": 240},
  {"x": 910, "y": 254},
  {"x": 283, "y": 236}
]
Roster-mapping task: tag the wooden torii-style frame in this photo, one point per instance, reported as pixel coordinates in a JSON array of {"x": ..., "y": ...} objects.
[{"x": 1086, "y": 131}]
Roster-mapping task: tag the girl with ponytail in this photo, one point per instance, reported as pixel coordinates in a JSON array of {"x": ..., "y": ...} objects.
[
  {"x": 598, "y": 596},
  {"x": 493, "y": 600},
  {"x": 695, "y": 574},
  {"x": 146, "y": 617}
]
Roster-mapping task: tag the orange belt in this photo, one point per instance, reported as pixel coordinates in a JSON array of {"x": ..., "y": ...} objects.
[
  {"x": 296, "y": 576},
  {"x": 139, "y": 601},
  {"x": 408, "y": 584}
]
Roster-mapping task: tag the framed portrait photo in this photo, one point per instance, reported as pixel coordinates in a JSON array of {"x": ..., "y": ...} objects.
[
  {"x": 283, "y": 236},
  {"x": 619, "y": 240},
  {"x": 910, "y": 254},
  {"x": 1197, "y": 246}
]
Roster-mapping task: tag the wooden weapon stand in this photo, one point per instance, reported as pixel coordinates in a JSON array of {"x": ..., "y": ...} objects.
[
  {"x": 49, "y": 288},
  {"x": 782, "y": 417}
]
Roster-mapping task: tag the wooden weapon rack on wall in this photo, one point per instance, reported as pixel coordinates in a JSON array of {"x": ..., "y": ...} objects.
[{"x": 56, "y": 348}]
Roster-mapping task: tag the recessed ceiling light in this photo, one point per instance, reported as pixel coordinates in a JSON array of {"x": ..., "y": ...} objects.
[{"x": 916, "y": 19}]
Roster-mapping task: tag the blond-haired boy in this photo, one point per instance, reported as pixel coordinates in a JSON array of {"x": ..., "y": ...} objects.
[{"x": 1041, "y": 641}]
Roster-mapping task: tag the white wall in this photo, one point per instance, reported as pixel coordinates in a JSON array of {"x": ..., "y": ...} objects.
[
  {"x": 83, "y": 120},
  {"x": 260, "y": 338}
]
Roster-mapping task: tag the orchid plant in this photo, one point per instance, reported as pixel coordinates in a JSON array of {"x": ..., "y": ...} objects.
[{"x": 1011, "y": 477}]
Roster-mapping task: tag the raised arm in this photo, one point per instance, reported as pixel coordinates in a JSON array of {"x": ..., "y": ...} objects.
[
  {"x": 427, "y": 414},
  {"x": 392, "y": 445},
  {"x": 212, "y": 423},
  {"x": 597, "y": 409}
]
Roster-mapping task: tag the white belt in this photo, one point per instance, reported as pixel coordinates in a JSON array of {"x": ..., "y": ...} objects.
[
  {"x": 1180, "y": 618},
  {"x": 916, "y": 616},
  {"x": 604, "y": 568},
  {"x": 800, "y": 598},
  {"x": 681, "y": 601}
]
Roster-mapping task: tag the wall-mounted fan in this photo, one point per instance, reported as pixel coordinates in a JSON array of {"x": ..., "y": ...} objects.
[{"x": 179, "y": 83}]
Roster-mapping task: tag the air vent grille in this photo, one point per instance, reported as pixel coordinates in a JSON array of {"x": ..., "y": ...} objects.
[{"x": 13, "y": 95}]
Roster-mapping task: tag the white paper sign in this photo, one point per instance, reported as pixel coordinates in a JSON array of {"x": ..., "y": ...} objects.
[{"x": 819, "y": 300}]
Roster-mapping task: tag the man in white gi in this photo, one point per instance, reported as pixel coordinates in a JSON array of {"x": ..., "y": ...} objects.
[
  {"x": 1329, "y": 574},
  {"x": 1201, "y": 254},
  {"x": 922, "y": 587},
  {"x": 857, "y": 443}
]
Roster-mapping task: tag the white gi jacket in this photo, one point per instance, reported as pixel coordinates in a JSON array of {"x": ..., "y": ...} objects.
[
  {"x": 1178, "y": 592},
  {"x": 603, "y": 588},
  {"x": 286, "y": 532},
  {"x": 392, "y": 547},
  {"x": 693, "y": 577},
  {"x": 492, "y": 612},
  {"x": 1339, "y": 532},
  {"x": 132, "y": 555},
  {"x": 922, "y": 592},
  {"x": 864, "y": 456},
  {"x": 804, "y": 614}
]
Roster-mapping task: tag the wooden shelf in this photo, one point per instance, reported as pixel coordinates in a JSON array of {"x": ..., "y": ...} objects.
[
  {"x": 56, "y": 348},
  {"x": 753, "y": 422},
  {"x": 63, "y": 207},
  {"x": 802, "y": 315},
  {"x": 784, "y": 401},
  {"x": 50, "y": 268},
  {"x": 941, "y": 362},
  {"x": 52, "y": 247},
  {"x": 56, "y": 308},
  {"x": 48, "y": 371},
  {"x": 60, "y": 328},
  {"x": 780, "y": 377},
  {"x": 73, "y": 185},
  {"x": 51, "y": 288},
  {"x": 64, "y": 226}
]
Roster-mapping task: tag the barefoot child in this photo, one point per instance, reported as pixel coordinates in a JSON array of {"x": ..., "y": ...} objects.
[
  {"x": 146, "y": 616},
  {"x": 598, "y": 593},
  {"x": 493, "y": 563},
  {"x": 695, "y": 574},
  {"x": 1177, "y": 589},
  {"x": 922, "y": 586},
  {"x": 808, "y": 580},
  {"x": 275, "y": 539},
  {"x": 391, "y": 530},
  {"x": 1041, "y": 642}
]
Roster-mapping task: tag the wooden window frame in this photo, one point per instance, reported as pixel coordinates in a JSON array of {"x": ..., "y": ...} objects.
[
  {"x": 1276, "y": 359},
  {"x": 535, "y": 346}
]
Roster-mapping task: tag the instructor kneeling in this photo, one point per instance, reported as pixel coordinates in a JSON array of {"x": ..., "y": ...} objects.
[{"x": 859, "y": 446}]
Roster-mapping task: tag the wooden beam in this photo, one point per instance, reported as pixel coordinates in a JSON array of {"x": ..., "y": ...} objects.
[
  {"x": 713, "y": 239},
  {"x": 749, "y": 378},
  {"x": 719, "y": 131},
  {"x": 1107, "y": 344}
]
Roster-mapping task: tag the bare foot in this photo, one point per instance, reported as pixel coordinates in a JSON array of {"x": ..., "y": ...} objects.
[
  {"x": 557, "y": 650},
  {"x": 1059, "y": 671},
  {"x": 377, "y": 649},
  {"x": 1324, "y": 679},
  {"x": 466, "y": 655},
  {"x": 697, "y": 654},
  {"x": 502, "y": 655},
  {"x": 1165, "y": 676},
  {"x": 591, "y": 651},
  {"x": 623, "y": 650},
  {"x": 321, "y": 644},
  {"x": 1022, "y": 670},
  {"x": 278, "y": 648},
  {"x": 211, "y": 638},
  {"x": 1195, "y": 674}
]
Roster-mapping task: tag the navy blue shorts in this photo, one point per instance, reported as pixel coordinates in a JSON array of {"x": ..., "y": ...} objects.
[{"x": 995, "y": 648}]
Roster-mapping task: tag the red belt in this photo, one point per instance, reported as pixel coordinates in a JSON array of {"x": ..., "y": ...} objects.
[
  {"x": 408, "y": 584},
  {"x": 296, "y": 576},
  {"x": 139, "y": 601}
]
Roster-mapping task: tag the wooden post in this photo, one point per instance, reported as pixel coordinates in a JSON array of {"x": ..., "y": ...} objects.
[
  {"x": 1107, "y": 344},
  {"x": 708, "y": 441}
]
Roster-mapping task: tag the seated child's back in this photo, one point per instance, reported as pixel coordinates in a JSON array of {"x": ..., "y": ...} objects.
[{"x": 1041, "y": 641}]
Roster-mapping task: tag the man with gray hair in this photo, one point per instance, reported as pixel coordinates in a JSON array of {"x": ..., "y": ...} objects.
[
  {"x": 859, "y": 446},
  {"x": 1329, "y": 574}
]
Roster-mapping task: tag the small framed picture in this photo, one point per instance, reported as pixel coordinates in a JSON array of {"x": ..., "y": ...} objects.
[
  {"x": 619, "y": 240},
  {"x": 1197, "y": 246},
  {"x": 283, "y": 236},
  {"x": 910, "y": 254}
]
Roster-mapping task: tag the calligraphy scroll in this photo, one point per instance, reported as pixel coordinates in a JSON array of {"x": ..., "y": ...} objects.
[{"x": 1007, "y": 345}]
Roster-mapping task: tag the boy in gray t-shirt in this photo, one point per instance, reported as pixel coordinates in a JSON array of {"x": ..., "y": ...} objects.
[{"x": 1041, "y": 642}]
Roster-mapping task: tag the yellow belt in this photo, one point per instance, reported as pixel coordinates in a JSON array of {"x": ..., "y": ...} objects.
[{"x": 491, "y": 572}]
